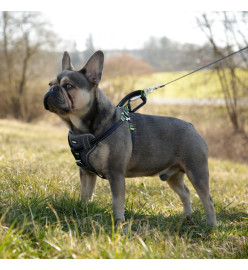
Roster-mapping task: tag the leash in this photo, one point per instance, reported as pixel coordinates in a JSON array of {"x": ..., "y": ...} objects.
[{"x": 143, "y": 93}]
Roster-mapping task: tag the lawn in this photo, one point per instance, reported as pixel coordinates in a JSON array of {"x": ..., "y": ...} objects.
[{"x": 41, "y": 215}]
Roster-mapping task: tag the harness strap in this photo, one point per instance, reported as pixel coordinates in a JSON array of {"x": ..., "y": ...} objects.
[
  {"x": 83, "y": 144},
  {"x": 100, "y": 138},
  {"x": 124, "y": 117},
  {"x": 81, "y": 148}
]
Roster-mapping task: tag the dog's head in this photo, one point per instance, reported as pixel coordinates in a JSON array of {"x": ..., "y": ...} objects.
[{"x": 72, "y": 91}]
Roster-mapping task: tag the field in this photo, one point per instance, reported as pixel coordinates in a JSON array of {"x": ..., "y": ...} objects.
[
  {"x": 203, "y": 84},
  {"x": 41, "y": 215}
]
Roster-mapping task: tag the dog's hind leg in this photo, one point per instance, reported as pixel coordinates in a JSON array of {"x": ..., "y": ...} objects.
[
  {"x": 88, "y": 183},
  {"x": 176, "y": 182},
  {"x": 199, "y": 177}
]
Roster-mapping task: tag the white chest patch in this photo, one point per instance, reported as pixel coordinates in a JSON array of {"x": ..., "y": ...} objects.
[{"x": 76, "y": 121}]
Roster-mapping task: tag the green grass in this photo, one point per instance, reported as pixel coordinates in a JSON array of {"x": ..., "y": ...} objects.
[{"x": 41, "y": 215}]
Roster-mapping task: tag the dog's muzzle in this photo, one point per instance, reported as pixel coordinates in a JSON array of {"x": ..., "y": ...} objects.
[
  {"x": 55, "y": 100},
  {"x": 54, "y": 94}
]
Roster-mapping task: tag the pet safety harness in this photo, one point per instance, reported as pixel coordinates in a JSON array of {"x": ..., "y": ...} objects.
[{"x": 82, "y": 145}]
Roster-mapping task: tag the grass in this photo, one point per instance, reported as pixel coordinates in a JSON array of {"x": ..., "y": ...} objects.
[{"x": 41, "y": 215}]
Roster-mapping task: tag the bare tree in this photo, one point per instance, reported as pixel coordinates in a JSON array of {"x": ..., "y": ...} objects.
[
  {"x": 121, "y": 73},
  {"x": 231, "y": 35},
  {"x": 24, "y": 35}
]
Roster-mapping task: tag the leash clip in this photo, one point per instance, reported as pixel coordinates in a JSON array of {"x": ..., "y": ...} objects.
[{"x": 150, "y": 90}]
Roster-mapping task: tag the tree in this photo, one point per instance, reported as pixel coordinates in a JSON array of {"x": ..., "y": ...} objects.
[
  {"x": 227, "y": 32},
  {"x": 121, "y": 72},
  {"x": 168, "y": 55},
  {"x": 23, "y": 37}
]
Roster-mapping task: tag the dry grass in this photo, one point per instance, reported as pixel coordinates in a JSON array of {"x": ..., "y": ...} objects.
[{"x": 41, "y": 215}]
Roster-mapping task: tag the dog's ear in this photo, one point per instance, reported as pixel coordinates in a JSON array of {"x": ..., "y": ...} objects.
[
  {"x": 93, "y": 68},
  {"x": 66, "y": 62}
]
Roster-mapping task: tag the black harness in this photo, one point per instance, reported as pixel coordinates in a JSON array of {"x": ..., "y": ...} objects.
[{"x": 82, "y": 145}]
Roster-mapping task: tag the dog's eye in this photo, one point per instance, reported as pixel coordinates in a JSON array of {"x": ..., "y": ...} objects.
[{"x": 68, "y": 86}]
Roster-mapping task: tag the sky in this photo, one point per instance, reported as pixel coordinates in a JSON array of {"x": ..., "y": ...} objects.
[
  {"x": 124, "y": 24},
  {"x": 124, "y": 27}
]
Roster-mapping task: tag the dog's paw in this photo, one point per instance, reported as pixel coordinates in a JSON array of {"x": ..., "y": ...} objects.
[
  {"x": 121, "y": 226},
  {"x": 187, "y": 213},
  {"x": 119, "y": 222},
  {"x": 87, "y": 200}
]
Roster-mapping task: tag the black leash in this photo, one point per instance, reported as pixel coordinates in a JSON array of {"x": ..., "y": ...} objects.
[
  {"x": 143, "y": 93},
  {"x": 212, "y": 63}
]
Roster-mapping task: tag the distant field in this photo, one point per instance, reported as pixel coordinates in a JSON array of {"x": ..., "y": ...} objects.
[
  {"x": 203, "y": 84},
  {"x": 41, "y": 215}
]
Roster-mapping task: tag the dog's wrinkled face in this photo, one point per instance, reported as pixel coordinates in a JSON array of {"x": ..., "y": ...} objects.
[{"x": 71, "y": 91}]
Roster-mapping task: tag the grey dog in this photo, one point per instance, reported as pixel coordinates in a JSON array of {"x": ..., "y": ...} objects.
[{"x": 163, "y": 146}]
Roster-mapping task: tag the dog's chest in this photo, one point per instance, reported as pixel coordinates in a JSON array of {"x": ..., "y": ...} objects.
[{"x": 77, "y": 122}]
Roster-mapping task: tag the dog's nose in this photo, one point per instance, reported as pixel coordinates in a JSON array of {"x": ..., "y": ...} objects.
[
  {"x": 45, "y": 100},
  {"x": 54, "y": 88},
  {"x": 54, "y": 93}
]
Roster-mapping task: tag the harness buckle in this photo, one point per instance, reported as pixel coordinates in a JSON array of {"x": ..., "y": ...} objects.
[
  {"x": 79, "y": 162},
  {"x": 125, "y": 117}
]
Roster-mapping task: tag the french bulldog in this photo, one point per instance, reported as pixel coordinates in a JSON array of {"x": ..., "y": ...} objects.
[{"x": 163, "y": 146}]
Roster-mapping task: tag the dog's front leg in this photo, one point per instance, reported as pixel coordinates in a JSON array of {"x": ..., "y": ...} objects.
[
  {"x": 117, "y": 184},
  {"x": 88, "y": 182}
]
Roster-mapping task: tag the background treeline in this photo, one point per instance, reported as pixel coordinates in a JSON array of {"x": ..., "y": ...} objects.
[{"x": 29, "y": 56}]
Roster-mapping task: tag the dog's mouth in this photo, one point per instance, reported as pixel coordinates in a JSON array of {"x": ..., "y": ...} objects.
[
  {"x": 59, "y": 100},
  {"x": 69, "y": 98}
]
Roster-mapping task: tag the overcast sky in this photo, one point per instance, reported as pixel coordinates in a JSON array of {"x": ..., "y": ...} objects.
[{"x": 124, "y": 24}]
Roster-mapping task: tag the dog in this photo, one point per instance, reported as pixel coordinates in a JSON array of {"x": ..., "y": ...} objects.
[{"x": 163, "y": 146}]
